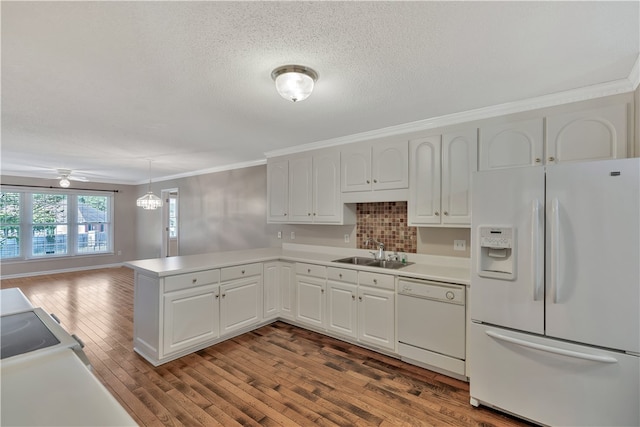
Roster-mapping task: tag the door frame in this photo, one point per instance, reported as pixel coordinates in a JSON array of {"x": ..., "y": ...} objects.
[{"x": 164, "y": 226}]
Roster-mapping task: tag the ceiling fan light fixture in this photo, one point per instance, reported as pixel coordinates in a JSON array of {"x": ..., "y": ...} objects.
[
  {"x": 149, "y": 201},
  {"x": 64, "y": 182},
  {"x": 294, "y": 82}
]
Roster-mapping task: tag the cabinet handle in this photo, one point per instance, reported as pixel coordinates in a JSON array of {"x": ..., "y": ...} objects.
[
  {"x": 194, "y": 280},
  {"x": 340, "y": 275},
  {"x": 224, "y": 295},
  {"x": 552, "y": 159},
  {"x": 368, "y": 182},
  {"x": 217, "y": 296},
  {"x": 353, "y": 297},
  {"x": 375, "y": 181},
  {"x": 285, "y": 214},
  {"x": 242, "y": 272},
  {"x": 308, "y": 270},
  {"x": 375, "y": 281},
  {"x": 446, "y": 213},
  {"x": 308, "y": 213},
  {"x": 538, "y": 160},
  {"x": 322, "y": 291},
  {"x": 360, "y": 298},
  {"x": 437, "y": 213}
]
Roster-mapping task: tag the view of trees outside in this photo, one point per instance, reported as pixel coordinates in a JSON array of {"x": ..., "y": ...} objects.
[
  {"x": 49, "y": 219},
  {"x": 9, "y": 225}
]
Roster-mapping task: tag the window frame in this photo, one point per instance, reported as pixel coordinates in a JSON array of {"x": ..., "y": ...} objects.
[{"x": 26, "y": 223}]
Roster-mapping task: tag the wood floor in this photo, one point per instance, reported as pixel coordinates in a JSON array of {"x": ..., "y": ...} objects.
[{"x": 276, "y": 375}]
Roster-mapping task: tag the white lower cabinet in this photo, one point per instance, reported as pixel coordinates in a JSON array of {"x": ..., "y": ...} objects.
[
  {"x": 342, "y": 305},
  {"x": 191, "y": 316},
  {"x": 311, "y": 282},
  {"x": 271, "y": 290},
  {"x": 240, "y": 297},
  {"x": 376, "y": 310},
  {"x": 287, "y": 291}
]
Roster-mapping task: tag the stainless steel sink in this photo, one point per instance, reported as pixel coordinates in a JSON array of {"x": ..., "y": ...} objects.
[{"x": 368, "y": 262}]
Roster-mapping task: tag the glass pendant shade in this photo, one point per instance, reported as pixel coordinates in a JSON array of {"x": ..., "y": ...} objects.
[
  {"x": 64, "y": 183},
  {"x": 294, "y": 82},
  {"x": 149, "y": 201}
]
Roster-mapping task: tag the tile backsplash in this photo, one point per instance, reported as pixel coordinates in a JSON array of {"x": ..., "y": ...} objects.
[{"x": 387, "y": 223}]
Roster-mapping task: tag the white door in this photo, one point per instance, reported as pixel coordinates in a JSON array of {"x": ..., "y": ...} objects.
[
  {"x": 509, "y": 145},
  {"x": 390, "y": 165},
  {"x": 593, "y": 253},
  {"x": 300, "y": 187},
  {"x": 327, "y": 203},
  {"x": 510, "y": 198},
  {"x": 424, "y": 192},
  {"x": 459, "y": 160}
]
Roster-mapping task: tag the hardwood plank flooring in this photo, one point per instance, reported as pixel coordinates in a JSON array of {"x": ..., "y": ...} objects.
[{"x": 278, "y": 375}]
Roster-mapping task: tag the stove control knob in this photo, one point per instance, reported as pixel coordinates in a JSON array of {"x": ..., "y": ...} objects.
[{"x": 450, "y": 295}]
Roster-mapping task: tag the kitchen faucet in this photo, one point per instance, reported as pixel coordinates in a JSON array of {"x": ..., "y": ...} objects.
[{"x": 376, "y": 255}]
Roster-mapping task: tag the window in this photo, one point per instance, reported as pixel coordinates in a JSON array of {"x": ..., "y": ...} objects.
[
  {"x": 36, "y": 224},
  {"x": 9, "y": 225}
]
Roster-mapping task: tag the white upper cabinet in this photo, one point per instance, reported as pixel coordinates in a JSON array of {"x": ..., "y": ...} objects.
[
  {"x": 277, "y": 191},
  {"x": 441, "y": 167},
  {"x": 509, "y": 145},
  {"x": 596, "y": 134},
  {"x": 314, "y": 183},
  {"x": 375, "y": 166}
]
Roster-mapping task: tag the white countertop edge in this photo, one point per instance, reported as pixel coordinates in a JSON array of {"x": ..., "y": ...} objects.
[{"x": 444, "y": 269}]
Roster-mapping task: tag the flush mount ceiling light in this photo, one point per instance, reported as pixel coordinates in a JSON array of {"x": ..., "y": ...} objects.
[
  {"x": 149, "y": 201},
  {"x": 65, "y": 183},
  {"x": 294, "y": 82}
]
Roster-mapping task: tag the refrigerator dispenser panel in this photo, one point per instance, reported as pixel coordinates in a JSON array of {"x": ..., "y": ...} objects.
[{"x": 497, "y": 252}]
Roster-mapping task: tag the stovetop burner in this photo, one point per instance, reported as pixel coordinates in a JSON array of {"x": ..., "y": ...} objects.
[{"x": 24, "y": 332}]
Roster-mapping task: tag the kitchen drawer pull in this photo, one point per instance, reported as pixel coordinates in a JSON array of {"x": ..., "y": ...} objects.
[
  {"x": 375, "y": 281},
  {"x": 224, "y": 295},
  {"x": 353, "y": 297},
  {"x": 554, "y": 350},
  {"x": 340, "y": 275},
  {"x": 360, "y": 298},
  {"x": 194, "y": 280},
  {"x": 552, "y": 159},
  {"x": 538, "y": 160},
  {"x": 375, "y": 181},
  {"x": 368, "y": 182},
  {"x": 308, "y": 270},
  {"x": 437, "y": 213},
  {"x": 242, "y": 272},
  {"x": 446, "y": 213}
]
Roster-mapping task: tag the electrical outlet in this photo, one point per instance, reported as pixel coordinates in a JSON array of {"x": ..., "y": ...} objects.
[
  {"x": 293, "y": 235},
  {"x": 459, "y": 245},
  {"x": 119, "y": 253},
  {"x": 279, "y": 234},
  {"x": 346, "y": 238}
]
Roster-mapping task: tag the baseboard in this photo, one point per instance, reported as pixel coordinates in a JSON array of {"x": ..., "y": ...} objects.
[{"x": 65, "y": 270}]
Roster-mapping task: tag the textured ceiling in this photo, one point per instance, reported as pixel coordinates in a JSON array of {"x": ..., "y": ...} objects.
[{"x": 99, "y": 87}]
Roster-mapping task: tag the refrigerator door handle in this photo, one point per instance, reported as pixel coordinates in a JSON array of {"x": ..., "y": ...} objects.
[
  {"x": 555, "y": 248},
  {"x": 536, "y": 256},
  {"x": 554, "y": 350}
]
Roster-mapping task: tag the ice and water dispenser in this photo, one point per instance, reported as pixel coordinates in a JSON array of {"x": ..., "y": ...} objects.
[{"x": 497, "y": 252}]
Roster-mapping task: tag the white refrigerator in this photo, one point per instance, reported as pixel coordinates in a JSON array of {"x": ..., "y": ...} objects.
[{"x": 555, "y": 293}]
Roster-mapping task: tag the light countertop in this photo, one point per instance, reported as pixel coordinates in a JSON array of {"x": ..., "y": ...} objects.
[{"x": 444, "y": 269}]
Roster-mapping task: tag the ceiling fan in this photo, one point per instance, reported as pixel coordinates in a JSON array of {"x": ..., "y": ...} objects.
[{"x": 65, "y": 176}]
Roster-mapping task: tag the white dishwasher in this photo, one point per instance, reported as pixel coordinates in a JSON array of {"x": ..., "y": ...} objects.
[{"x": 431, "y": 324}]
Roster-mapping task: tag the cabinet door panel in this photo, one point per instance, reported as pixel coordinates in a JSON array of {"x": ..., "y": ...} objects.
[
  {"x": 390, "y": 166},
  {"x": 424, "y": 199},
  {"x": 327, "y": 203},
  {"x": 511, "y": 145},
  {"x": 190, "y": 318},
  {"x": 459, "y": 160},
  {"x": 356, "y": 169},
  {"x": 376, "y": 317},
  {"x": 287, "y": 291},
  {"x": 277, "y": 191},
  {"x": 341, "y": 308},
  {"x": 300, "y": 186},
  {"x": 271, "y": 291},
  {"x": 310, "y": 300},
  {"x": 596, "y": 134},
  {"x": 240, "y": 304}
]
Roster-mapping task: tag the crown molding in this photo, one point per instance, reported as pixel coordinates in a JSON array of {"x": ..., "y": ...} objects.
[
  {"x": 207, "y": 171},
  {"x": 581, "y": 94}
]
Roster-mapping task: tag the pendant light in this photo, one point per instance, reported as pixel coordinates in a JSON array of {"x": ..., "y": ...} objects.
[
  {"x": 294, "y": 82},
  {"x": 149, "y": 201}
]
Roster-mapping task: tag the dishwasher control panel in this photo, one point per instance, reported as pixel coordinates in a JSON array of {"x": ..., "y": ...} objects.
[{"x": 454, "y": 294}]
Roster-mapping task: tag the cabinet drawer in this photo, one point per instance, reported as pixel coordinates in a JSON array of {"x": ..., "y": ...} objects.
[
  {"x": 342, "y": 275},
  {"x": 384, "y": 281},
  {"x": 311, "y": 270},
  {"x": 240, "y": 271},
  {"x": 191, "y": 280}
]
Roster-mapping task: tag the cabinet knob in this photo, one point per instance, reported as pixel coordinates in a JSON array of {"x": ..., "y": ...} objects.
[
  {"x": 322, "y": 291},
  {"x": 285, "y": 214},
  {"x": 446, "y": 213},
  {"x": 375, "y": 181},
  {"x": 308, "y": 270},
  {"x": 552, "y": 159},
  {"x": 368, "y": 182},
  {"x": 224, "y": 295},
  {"x": 308, "y": 213},
  {"x": 217, "y": 296},
  {"x": 437, "y": 213},
  {"x": 360, "y": 298},
  {"x": 538, "y": 160},
  {"x": 314, "y": 214},
  {"x": 375, "y": 281},
  {"x": 194, "y": 280},
  {"x": 353, "y": 297},
  {"x": 242, "y": 272}
]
